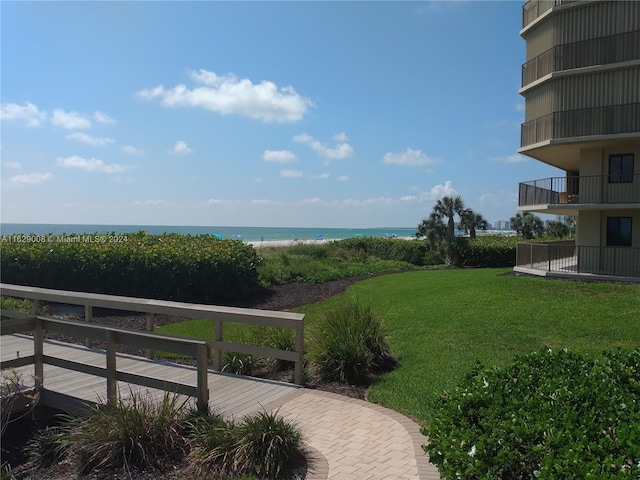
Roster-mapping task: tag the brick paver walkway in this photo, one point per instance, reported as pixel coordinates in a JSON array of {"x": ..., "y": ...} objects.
[{"x": 352, "y": 439}]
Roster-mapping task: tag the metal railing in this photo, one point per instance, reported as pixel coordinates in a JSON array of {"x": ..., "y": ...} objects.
[
  {"x": 532, "y": 9},
  {"x": 609, "y": 120},
  {"x": 605, "y": 189},
  {"x": 149, "y": 340},
  {"x": 565, "y": 257},
  {"x": 596, "y": 51}
]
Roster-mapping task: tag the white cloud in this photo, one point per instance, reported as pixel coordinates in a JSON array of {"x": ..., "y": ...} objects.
[
  {"x": 181, "y": 148},
  {"x": 342, "y": 178},
  {"x": 89, "y": 165},
  {"x": 12, "y": 165},
  {"x": 314, "y": 200},
  {"x": 279, "y": 156},
  {"x": 520, "y": 107},
  {"x": 89, "y": 140},
  {"x": 291, "y": 173},
  {"x": 258, "y": 180},
  {"x": 322, "y": 176},
  {"x": 27, "y": 113},
  {"x": 131, "y": 150},
  {"x": 410, "y": 158},
  {"x": 35, "y": 178},
  {"x": 341, "y": 150},
  {"x": 445, "y": 190},
  {"x": 70, "y": 120},
  {"x": 227, "y": 94},
  {"x": 515, "y": 158},
  {"x": 102, "y": 117}
]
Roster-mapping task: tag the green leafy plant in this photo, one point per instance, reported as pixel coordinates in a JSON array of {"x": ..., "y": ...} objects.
[
  {"x": 263, "y": 444},
  {"x": 266, "y": 443},
  {"x": 350, "y": 343},
  {"x": 138, "y": 432},
  {"x": 199, "y": 269},
  {"x": 549, "y": 414},
  {"x": 239, "y": 363}
]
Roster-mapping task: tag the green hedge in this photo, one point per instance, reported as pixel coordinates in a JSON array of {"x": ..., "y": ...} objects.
[
  {"x": 200, "y": 269},
  {"x": 549, "y": 414},
  {"x": 409, "y": 251},
  {"x": 484, "y": 251}
]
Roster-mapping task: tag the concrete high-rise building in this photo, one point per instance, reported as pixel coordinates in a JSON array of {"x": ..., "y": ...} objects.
[{"x": 581, "y": 85}]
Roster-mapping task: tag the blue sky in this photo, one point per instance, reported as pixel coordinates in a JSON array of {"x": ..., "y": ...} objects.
[{"x": 301, "y": 114}]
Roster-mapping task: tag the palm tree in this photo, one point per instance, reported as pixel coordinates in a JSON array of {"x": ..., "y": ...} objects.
[
  {"x": 450, "y": 207},
  {"x": 433, "y": 228},
  {"x": 471, "y": 220},
  {"x": 557, "y": 229},
  {"x": 527, "y": 224}
]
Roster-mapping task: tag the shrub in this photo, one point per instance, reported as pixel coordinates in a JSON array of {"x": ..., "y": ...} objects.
[
  {"x": 278, "y": 338},
  {"x": 239, "y": 363},
  {"x": 137, "y": 433},
  {"x": 262, "y": 444},
  {"x": 349, "y": 344},
  {"x": 547, "y": 415},
  {"x": 199, "y": 269},
  {"x": 266, "y": 443}
]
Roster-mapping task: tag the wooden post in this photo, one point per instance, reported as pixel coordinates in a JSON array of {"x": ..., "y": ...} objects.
[
  {"x": 203, "y": 381},
  {"x": 151, "y": 320},
  {"x": 299, "y": 366},
  {"x": 112, "y": 374},
  {"x": 88, "y": 317},
  {"x": 38, "y": 352},
  {"x": 217, "y": 357}
]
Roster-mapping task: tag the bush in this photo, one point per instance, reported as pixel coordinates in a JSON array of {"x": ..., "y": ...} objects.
[
  {"x": 137, "y": 433},
  {"x": 199, "y": 269},
  {"x": 239, "y": 363},
  {"x": 262, "y": 444},
  {"x": 549, "y": 414},
  {"x": 349, "y": 344}
]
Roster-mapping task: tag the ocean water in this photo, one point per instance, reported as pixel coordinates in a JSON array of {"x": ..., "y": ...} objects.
[{"x": 247, "y": 234}]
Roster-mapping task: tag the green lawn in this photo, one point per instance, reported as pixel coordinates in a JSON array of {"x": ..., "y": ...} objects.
[{"x": 441, "y": 322}]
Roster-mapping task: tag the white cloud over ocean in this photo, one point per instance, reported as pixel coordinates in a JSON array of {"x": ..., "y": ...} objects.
[{"x": 228, "y": 94}]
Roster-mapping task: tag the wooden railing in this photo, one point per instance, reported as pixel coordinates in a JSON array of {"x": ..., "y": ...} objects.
[
  {"x": 112, "y": 336},
  {"x": 150, "y": 341}
]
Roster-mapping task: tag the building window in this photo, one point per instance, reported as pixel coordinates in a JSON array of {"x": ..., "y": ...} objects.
[
  {"x": 618, "y": 231},
  {"x": 621, "y": 168}
]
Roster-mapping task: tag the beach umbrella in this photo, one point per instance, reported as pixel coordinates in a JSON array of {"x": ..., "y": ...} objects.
[{"x": 319, "y": 236}]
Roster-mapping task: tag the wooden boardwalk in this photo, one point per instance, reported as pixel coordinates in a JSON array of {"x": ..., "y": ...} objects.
[{"x": 230, "y": 395}]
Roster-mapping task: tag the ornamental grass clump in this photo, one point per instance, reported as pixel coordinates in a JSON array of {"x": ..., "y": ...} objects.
[
  {"x": 549, "y": 414},
  {"x": 350, "y": 344},
  {"x": 137, "y": 433},
  {"x": 263, "y": 444}
]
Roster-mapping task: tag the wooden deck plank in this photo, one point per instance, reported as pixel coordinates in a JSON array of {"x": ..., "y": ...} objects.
[{"x": 230, "y": 395}]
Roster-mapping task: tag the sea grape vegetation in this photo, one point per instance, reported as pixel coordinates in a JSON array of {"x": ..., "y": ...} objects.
[{"x": 199, "y": 269}]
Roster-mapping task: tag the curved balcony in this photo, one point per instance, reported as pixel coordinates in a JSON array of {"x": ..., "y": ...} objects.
[
  {"x": 532, "y": 9},
  {"x": 593, "y": 189},
  {"x": 584, "y": 122},
  {"x": 597, "y": 51}
]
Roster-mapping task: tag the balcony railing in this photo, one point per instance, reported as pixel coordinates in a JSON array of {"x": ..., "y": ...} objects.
[
  {"x": 565, "y": 257},
  {"x": 532, "y": 9},
  {"x": 596, "y": 51},
  {"x": 605, "y": 189},
  {"x": 584, "y": 122}
]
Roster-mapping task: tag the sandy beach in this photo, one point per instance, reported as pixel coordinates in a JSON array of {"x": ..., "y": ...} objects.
[{"x": 294, "y": 242}]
